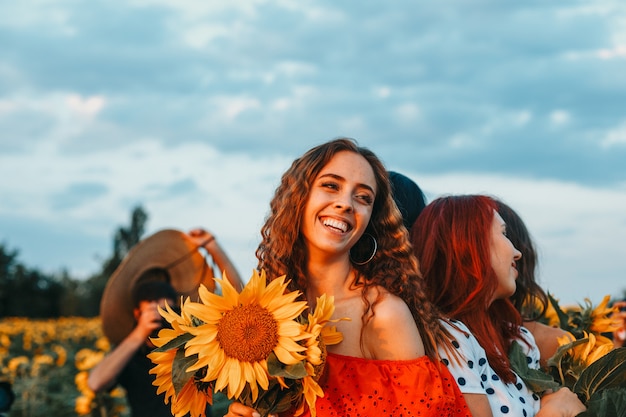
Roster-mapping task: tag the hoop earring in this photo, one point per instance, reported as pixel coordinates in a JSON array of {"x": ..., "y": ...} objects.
[{"x": 364, "y": 251}]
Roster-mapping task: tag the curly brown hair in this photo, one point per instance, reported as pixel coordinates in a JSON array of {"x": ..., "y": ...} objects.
[{"x": 282, "y": 250}]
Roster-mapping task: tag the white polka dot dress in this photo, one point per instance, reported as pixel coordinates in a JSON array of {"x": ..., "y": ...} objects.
[{"x": 475, "y": 376}]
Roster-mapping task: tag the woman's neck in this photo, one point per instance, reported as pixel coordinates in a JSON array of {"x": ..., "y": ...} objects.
[{"x": 331, "y": 278}]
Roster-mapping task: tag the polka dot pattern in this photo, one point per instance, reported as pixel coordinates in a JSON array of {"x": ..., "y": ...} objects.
[{"x": 475, "y": 376}]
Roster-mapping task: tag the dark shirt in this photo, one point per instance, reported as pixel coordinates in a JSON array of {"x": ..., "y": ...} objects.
[{"x": 140, "y": 393}]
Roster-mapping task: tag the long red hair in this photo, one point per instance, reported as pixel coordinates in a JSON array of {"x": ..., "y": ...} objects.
[{"x": 452, "y": 241}]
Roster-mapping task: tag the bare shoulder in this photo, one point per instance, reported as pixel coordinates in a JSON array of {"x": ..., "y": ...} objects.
[
  {"x": 390, "y": 308},
  {"x": 392, "y": 317}
]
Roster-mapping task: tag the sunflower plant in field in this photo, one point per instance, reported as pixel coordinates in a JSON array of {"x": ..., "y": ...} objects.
[
  {"x": 586, "y": 361},
  {"x": 89, "y": 403},
  {"x": 259, "y": 347}
]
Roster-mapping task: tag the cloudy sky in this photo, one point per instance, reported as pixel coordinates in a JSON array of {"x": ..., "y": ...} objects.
[{"x": 193, "y": 109}]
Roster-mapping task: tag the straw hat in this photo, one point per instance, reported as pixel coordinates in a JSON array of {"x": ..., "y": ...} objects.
[{"x": 169, "y": 249}]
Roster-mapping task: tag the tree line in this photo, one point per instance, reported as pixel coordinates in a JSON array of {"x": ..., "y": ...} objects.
[{"x": 29, "y": 292}]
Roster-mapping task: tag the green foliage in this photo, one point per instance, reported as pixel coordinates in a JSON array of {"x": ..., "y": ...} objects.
[
  {"x": 535, "y": 379},
  {"x": 177, "y": 342},
  {"x": 563, "y": 367},
  {"x": 589, "y": 366},
  {"x": 277, "y": 368},
  {"x": 564, "y": 320},
  {"x": 180, "y": 376},
  {"x": 608, "y": 372},
  {"x": 274, "y": 400},
  {"x": 26, "y": 292},
  {"x": 606, "y": 403}
]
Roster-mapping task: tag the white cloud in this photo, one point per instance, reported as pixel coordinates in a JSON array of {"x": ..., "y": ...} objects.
[
  {"x": 407, "y": 112},
  {"x": 618, "y": 51},
  {"x": 41, "y": 14},
  {"x": 502, "y": 119},
  {"x": 462, "y": 141},
  {"x": 522, "y": 118},
  {"x": 559, "y": 117},
  {"x": 198, "y": 9},
  {"x": 200, "y": 35},
  {"x": 89, "y": 106},
  {"x": 295, "y": 68},
  {"x": 6, "y": 106},
  {"x": 232, "y": 106},
  {"x": 382, "y": 92},
  {"x": 615, "y": 136}
]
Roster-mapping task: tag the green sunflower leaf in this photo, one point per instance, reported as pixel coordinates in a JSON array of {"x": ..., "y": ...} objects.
[
  {"x": 277, "y": 368},
  {"x": 175, "y": 343},
  {"x": 180, "y": 376},
  {"x": 607, "y": 372},
  {"x": 276, "y": 399},
  {"x": 535, "y": 379},
  {"x": 563, "y": 366},
  {"x": 564, "y": 319},
  {"x": 606, "y": 403}
]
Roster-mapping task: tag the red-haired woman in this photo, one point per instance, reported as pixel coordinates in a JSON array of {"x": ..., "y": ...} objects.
[{"x": 468, "y": 264}]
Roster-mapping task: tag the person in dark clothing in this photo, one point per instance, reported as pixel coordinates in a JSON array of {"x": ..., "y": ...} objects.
[
  {"x": 127, "y": 364},
  {"x": 157, "y": 271}
]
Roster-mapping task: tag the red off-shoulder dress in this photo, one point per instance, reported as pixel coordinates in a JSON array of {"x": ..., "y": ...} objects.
[{"x": 362, "y": 387}]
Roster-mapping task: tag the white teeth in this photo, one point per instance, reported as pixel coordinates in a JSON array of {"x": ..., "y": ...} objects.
[{"x": 336, "y": 224}]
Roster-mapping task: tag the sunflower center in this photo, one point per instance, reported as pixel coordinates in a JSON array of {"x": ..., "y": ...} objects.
[{"x": 248, "y": 333}]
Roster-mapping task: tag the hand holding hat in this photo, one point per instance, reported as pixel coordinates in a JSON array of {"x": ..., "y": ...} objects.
[{"x": 172, "y": 250}]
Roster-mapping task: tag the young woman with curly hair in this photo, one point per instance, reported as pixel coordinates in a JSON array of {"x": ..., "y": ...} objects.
[
  {"x": 469, "y": 268},
  {"x": 334, "y": 229}
]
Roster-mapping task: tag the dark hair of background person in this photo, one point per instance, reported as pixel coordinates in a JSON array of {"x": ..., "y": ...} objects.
[
  {"x": 529, "y": 298},
  {"x": 153, "y": 285},
  {"x": 408, "y": 197}
]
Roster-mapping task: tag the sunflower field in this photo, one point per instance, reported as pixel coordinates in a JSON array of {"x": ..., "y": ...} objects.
[
  {"x": 43, "y": 360},
  {"x": 46, "y": 364}
]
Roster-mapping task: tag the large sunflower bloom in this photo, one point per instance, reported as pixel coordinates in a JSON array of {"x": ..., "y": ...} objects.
[
  {"x": 190, "y": 397},
  {"x": 240, "y": 330}
]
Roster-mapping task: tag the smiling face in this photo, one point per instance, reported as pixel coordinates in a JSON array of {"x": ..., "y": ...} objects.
[
  {"x": 339, "y": 205},
  {"x": 503, "y": 257}
]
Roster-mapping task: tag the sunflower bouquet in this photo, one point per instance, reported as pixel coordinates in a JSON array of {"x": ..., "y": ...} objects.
[
  {"x": 257, "y": 347},
  {"x": 586, "y": 361}
]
